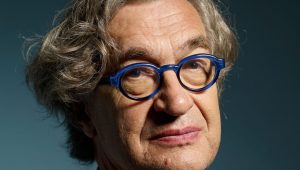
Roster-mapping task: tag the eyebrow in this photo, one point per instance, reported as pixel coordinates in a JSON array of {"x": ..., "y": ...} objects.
[
  {"x": 144, "y": 53},
  {"x": 136, "y": 53},
  {"x": 195, "y": 42}
]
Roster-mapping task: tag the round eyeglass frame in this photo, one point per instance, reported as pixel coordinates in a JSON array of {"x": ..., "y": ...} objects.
[{"x": 115, "y": 80}]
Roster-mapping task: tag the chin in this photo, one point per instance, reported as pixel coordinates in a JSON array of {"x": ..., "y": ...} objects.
[
  {"x": 174, "y": 164},
  {"x": 180, "y": 158}
]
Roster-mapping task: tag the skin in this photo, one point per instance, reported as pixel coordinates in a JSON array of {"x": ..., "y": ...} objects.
[{"x": 122, "y": 129}]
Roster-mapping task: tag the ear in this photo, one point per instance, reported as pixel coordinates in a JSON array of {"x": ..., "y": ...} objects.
[
  {"x": 88, "y": 129},
  {"x": 87, "y": 125}
]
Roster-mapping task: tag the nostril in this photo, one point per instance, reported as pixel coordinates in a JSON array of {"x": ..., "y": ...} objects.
[
  {"x": 180, "y": 107},
  {"x": 160, "y": 118}
]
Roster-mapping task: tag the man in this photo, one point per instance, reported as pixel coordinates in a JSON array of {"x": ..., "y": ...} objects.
[{"x": 137, "y": 81}]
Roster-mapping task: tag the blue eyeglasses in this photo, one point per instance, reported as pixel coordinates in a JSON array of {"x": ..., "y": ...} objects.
[{"x": 141, "y": 81}]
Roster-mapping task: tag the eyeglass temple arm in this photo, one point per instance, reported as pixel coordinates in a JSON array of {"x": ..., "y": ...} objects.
[
  {"x": 112, "y": 80},
  {"x": 105, "y": 80},
  {"x": 221, "y": 63}
]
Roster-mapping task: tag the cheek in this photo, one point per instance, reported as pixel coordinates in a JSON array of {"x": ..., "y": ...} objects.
[
  {"x": 118, "y": 122},
  {"x": 208, "y": 103},
  {"x": 104, "y": 115},
  {"x": 132, "y": 116}
]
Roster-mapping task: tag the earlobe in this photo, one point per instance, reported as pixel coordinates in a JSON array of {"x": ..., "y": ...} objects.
[
  {"x": 88, "y": 129},
  {"x": 87, "y": 126}
]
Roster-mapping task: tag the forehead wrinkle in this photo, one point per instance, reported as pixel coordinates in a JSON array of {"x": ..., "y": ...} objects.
[
  {"x": 160, "y": 17},
  {"x": 161, "y": 25},
  {"x": 156, "y": 26}
]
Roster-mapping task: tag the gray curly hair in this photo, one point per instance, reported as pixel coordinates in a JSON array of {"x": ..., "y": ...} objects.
[{"x": 71, "y": 59}]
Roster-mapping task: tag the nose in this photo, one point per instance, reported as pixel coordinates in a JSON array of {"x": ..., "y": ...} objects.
[{"x": 172, "y": 98}]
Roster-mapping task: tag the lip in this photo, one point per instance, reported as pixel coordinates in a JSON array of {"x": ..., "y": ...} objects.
[{"x": 176, "y": 137}]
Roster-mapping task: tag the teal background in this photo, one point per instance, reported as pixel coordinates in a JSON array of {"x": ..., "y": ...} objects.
[{"x": 260, "y": 105}]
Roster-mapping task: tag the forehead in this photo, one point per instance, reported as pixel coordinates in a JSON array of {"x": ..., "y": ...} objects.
[{"x": 147, "y": 24}]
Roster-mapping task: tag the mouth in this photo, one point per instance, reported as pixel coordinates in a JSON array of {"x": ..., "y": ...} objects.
[{"x": 176, "y": 137}]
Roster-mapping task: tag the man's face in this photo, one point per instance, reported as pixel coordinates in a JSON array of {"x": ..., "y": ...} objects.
[{"x": 176, "y": 129}]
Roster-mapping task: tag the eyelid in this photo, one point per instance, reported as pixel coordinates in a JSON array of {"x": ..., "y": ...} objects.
[
  {"x": 201, "y": 61},
  {"x": 130, "y": 62},
  {"x": 198, "y": 50}
]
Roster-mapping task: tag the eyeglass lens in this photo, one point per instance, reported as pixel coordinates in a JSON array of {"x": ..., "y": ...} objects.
[
  {"x": 140, "y": 81},
  {"x": 143, "y": 81},
  {"x": 197, "y": 73}
]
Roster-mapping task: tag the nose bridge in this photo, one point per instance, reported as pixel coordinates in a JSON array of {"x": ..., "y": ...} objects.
[
  {"x": 168, "y": 67},
  {"x": 173, "y": 98}
]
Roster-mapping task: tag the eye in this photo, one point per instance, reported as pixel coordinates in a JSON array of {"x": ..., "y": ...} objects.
[
  {"x": 134, "y": 73},
  {"x": 194, "y": 65},
  {"x": 140, "y": 72}
]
